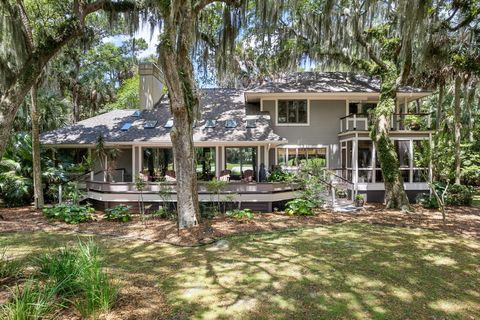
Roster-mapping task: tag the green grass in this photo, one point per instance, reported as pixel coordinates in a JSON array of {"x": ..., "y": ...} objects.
[{"x": 341, "y": 271}]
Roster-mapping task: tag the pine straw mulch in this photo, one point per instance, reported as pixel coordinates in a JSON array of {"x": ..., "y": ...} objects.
[{"x": 460, "y": 220}]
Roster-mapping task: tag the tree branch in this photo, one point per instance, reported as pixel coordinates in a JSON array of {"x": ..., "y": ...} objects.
[{"x": 203, "y": 3}]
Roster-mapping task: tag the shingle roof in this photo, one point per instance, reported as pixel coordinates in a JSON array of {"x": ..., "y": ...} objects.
[
  {"x": 217, "y": 104},
  {"x": 314, "y": 82}
]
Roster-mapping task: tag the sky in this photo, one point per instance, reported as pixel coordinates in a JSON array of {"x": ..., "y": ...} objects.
[{"x": 143, "y": 32}]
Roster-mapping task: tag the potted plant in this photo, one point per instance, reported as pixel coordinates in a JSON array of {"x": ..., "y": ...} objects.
[
  {"x": 359, "y": 200},
  {"x": 341, "y": 194}
]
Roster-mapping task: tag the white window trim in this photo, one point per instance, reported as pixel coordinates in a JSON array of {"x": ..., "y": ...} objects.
[{"x": 292, "y": 124}]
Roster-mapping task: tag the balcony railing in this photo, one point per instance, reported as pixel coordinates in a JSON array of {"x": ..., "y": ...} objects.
[{"x": 398, "y": 122}]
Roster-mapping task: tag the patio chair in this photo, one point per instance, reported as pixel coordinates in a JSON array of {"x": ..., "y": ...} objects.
[
  {"x": 170, "y": 176},
  {"x": 224, "y": 175},
  {"x": 248, "y": 175}
]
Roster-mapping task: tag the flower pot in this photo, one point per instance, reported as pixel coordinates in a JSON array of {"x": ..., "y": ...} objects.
[{"x": 359, "y": 202}]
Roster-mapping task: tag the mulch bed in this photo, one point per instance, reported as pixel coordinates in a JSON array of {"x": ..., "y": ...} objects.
[{"x": 460, "y": 220}]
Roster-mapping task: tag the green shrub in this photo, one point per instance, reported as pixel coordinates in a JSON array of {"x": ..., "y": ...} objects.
[
  {"x": 427, "y": 201},
  {"x": 240, "y": 214},
  {"x": 15, "y": 190},
  {"x": 459, "y": 195},
  {"x": 32, "y": 301},
  {"x": 300, "y": 207},
  {"x": 165, "y": 213},
  {"x": 70, "y": 213},
  {"x": 278, "y": 175},
  {"x": 9, "y": 268},
  {"x": 118, "y": 213}
]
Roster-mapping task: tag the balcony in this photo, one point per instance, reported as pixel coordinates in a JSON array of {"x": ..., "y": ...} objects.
[{"x": 398, "y": 122}]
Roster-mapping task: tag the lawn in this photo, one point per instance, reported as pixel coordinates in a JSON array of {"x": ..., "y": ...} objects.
[{"x": 348, "y": 270}]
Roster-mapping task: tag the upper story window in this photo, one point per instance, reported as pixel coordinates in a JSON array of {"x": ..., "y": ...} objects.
[
  {"x": 361, "y": 108},
  {"x": 292, "y": 112}
]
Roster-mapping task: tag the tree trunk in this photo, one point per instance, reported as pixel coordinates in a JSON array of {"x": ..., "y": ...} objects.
[
  {"x": 395, "y": 195},
  {"x": 441, "y": 96},
  {"x": 469, "y": 99},
  {"x": 175, "y": 48},
  {"x": 458, "y": 127},
  {"x": 37, "y": 167}
]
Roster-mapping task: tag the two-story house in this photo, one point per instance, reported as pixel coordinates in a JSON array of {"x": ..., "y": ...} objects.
[{"x": 243, "y": 132}]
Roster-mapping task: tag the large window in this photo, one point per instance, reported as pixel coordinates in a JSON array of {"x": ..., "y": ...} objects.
[
  {"x": 294, "y": 157},
  {"x": 292, "y": 112},
  {"x": 238, "y": 160},
  {"x": 370, "y": 171},
  {"x": 157, "y": 161},
  {"x": 205, "y": 163}
]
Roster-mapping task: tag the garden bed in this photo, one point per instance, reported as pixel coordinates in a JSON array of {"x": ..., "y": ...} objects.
[{"x": 460, "y": 220}]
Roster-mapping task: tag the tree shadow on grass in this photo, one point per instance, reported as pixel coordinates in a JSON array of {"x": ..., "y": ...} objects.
[{"x": 340, "y": 271}]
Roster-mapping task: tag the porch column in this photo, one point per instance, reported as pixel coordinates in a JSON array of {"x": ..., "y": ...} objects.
[
  {"x": 217, "y": 161},
  {"x": 355, "y": 163},
  {"x": 134, "y": 171}
]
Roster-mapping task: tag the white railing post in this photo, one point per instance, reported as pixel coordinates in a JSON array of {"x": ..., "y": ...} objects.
[{"x": 341, "y": 125}]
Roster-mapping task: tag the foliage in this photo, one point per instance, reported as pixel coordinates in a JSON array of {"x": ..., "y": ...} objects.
[
  {"x": 70, "y": 213},
  {"x": 453, "y": 195},
  {"x": 78, "y": 277},
  {"x": 165, "y": 213},
  {"x": 16, "y": 167},
  {"x": 72, "y": 192},
  {"x": 30, "y": 301},
  {"x": 127, "y": 96},
  {"x": 312, "y": 190},
  {"x": 140, "y": 186},
  {"x": 427, "y": 201},
  {"x": 9, "y": 268},
  {"x": 459, "y": 195},
  {"x": 216, "y": 186},
  {"x": 240, "y": 214},
  {"x": 300, "y": 207},
  {"x": 99, "y": 293},
  {"x": 62, "y": 269},
  {"x": 118, "y": 213},
  {"x": 279, "y": 175},
  {"x": 359, "y": 197}
]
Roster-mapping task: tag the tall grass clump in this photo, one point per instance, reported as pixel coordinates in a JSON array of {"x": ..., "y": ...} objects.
[
  {"x": 62, "y": 268},
  {"x": 9, "y": 268},
  {"x": 99, "y": 293},
  {"x": 77, "y": 273},
  {"x": 31, "y": 301}
]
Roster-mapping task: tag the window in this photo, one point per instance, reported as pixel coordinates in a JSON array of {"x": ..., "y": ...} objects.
[
  {"x": 205, "y": 163},
  {"x": 210, "y": 123},
  {"x": 365, "y": 151},
  {"x": 156, "y": 161},
  {"x": 361, "y": 108},
  {"x": 251, "y": 123},
  {"x": 150, "y": 124},
  {"x": 230, "y": 123},
  {"x": 237, "y": 160},
  {"x": 136, "y": 113},
  {"x": 293, "y": 157},
  {"x": 403, "y": 151},
  {"x": 292, "y": 112},
  {"x": 126, "y": 126},
  {"x": 169, "y": 124}
]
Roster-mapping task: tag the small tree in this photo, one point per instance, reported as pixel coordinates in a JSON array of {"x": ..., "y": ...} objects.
[
  {"x": 140, "y": 186},
  {"x": 216, "y": 186}
]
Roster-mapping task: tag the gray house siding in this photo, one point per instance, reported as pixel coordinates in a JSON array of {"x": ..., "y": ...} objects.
[{"x": 323, "y": 129}]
